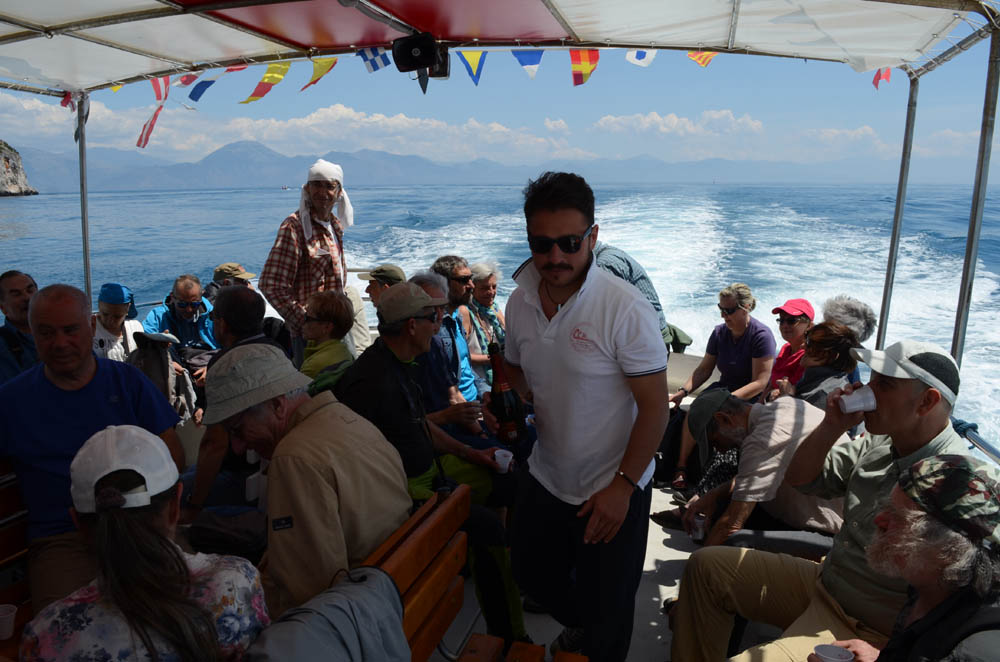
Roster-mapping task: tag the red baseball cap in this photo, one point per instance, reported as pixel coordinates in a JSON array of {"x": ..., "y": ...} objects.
[{"x": 796, "y": 307}]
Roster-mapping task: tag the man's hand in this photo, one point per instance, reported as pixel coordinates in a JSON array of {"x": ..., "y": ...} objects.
[
  {"x": 199, "y": 377},
  {"x": 837, "y": 418},
  {"x": 482, "y": 457},
  {"x": 488, "y": 418},
  {"x": 704, "y": 505},
  {"x": 197, "y": 415},
  {"x": 863, "y": 651},
  {"x": 785, "y": 387},
  {"x": 178, "y": 368},
  {"x": 676, "y": 398},
  {"x": 607, "y": 510},
  {"x": 464, "y": 413}
]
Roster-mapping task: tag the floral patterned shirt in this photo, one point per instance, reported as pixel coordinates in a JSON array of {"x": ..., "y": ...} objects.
[{"x": 84, "y": 628}]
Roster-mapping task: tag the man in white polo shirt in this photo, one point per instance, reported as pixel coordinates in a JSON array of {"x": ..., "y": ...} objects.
[{"x": 587, "y": 345}]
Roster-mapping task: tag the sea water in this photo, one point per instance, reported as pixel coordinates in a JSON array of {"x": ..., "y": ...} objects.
[{"x": 784, "y": 241}]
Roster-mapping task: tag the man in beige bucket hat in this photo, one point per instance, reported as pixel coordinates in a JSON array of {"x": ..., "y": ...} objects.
[{"x": 336, "y": 487}]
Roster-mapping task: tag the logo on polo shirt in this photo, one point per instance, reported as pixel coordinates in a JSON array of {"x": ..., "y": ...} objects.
[{"x": 579, "y": 340}]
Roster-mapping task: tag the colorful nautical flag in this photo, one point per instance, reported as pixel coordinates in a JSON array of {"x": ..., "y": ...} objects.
[
  {"x": 115, "y": 88},
  {"x": 206, "y": 83},
  {"x": 880, "y": 75},
  {"x": 321, "y": 68},
  {"x": 186, "y": 80},
  {"x": 702, "y": 57},
  {"x": 161, "y": 88},
  {"x": 583, "y": 63},
  {"x": 375, "y": 58},
  {"x": 529, "y": 60},
  {"x": 275, "y": 74},
  {"x": 67, "y": 101},
  {"x": 640, "y": 57},
  {"x": 474, "y": 62}
]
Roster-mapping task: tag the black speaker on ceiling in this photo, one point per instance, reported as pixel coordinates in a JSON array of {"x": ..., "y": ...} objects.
[{"x": 418, "y": 51}]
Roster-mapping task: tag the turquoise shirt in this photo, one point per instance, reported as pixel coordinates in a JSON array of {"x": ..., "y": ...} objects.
[{"x": 864, "y": 472}]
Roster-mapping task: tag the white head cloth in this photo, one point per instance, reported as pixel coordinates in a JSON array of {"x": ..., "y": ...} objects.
[{"x": 324, "y": 171}]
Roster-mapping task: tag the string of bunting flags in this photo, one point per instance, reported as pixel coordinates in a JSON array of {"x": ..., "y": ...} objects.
[{"x": 583, "y": 63}]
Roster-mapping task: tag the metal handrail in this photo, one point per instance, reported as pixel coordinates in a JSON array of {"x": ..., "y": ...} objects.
[{"x": 986, "y": 447}]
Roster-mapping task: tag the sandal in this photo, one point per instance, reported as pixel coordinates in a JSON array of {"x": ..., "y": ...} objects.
[{"x": 680, "y": 479}]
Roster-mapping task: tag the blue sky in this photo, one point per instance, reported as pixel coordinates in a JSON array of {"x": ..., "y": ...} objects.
[{"x": 739, "y": 107}]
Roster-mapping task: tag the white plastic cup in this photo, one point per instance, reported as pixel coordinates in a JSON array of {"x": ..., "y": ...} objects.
[
  {"x": 503, "y": 458},
  {"x": 863, "y": 399},
  {"x": 831, "y": 653},
  {"x": 7, "y": 616}
]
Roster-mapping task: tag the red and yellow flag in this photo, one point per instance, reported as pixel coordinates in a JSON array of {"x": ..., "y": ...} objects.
[
  {"x": 320, "y": 68},
  {"x": 274, "y": 74},
  {"x": 702, "y": 57},
  {"x": 583, "y": 63}
]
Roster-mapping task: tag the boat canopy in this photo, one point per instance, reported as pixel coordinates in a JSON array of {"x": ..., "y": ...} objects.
[{"x": 79, "y": 46}]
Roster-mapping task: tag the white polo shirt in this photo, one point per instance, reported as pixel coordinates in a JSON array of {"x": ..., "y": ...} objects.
[{"x": 576, "y": 365}]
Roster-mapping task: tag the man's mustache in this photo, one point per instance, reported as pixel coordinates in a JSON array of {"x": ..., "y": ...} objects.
[{"x": 557, "y": 267}]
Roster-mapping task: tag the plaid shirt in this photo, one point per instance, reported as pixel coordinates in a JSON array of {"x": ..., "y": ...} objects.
[{"x": 296, "y": 269}]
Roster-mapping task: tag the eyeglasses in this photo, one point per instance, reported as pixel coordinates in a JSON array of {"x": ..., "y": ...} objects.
[
  {"x": 727, "y": 311},
  {"x": 187, "y": 304},
  {"x": 432, "y": 317},
  {"x": 569, "y": 243},
  {"x": 789, "y": 320},
  {"x": 464, "y": 280}
]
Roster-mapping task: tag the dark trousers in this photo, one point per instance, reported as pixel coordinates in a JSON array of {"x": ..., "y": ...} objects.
[{"x": 589, "y": 586}]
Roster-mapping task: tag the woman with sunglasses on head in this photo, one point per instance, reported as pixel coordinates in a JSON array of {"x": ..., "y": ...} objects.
[
  {"x": 795, "y": 318},
  {"x": 742, "y": 348},
  {"x": 151, "y": 600}
]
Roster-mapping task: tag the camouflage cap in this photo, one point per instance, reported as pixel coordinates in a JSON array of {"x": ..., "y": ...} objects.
[{"x": 963, "y": 492}]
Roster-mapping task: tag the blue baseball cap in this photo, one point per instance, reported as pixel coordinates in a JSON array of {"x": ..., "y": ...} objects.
[{"x": 118, "y": 293}]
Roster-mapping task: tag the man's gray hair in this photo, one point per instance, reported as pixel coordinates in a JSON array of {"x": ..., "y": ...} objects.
[
  {"x": 483, "y": 270},
  {"x": 856, "y": 315},
  {"x": 255, "y": 410},
  {"x": 430, "y": 278},
  {"x": 446, "y": 265},
  {"x": 731, "y": 405},
  {"x": 185, "y": 282}
]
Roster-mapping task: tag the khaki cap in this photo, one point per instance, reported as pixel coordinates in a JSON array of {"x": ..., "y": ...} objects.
[
  {"x": 405, "y": 300},
  {"x": 387, "y": 273}
]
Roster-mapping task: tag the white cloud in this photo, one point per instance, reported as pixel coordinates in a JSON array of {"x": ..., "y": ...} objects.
[
  {"x": 182, "y": 134},
  {"x": 709, "y": 123},
  {"x": 557, "y": 126}
]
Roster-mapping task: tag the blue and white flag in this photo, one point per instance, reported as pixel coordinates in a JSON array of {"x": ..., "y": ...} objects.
[
  {"x": 375, "y": 58},
  {"x": 640, "y": 57},
  {"x": 529, "y": 60}
]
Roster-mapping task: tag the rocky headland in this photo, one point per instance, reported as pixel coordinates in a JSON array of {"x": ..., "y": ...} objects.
[{"x": 13, "y": 180}]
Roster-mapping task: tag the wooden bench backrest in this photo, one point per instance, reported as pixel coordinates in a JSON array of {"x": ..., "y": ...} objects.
[
  {"x": 13, "y": 555},
  {"x": 424, "y": 557}
]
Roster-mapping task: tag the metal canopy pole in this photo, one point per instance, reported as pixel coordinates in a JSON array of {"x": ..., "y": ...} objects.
[
  {"x": 897, "y": 219},
  {"x": 978, "y": 199},
  {"x": 81, "y": 127}
]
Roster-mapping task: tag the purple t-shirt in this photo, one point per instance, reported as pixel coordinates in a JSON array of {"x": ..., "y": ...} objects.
[{"x": 735, "y": 359}]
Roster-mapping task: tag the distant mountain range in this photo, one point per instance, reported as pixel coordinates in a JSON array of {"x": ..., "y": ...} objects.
[{"x": 250, "y": 164}]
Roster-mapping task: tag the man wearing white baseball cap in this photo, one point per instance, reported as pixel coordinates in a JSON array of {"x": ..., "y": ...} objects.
[
  {"x": 336, "y": 488},
  {"x": 915, "y": 385},
  {"x": 149, "y": 596}
]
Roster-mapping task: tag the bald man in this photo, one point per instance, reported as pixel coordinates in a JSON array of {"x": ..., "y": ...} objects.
[{"x": 48, "y": 412}]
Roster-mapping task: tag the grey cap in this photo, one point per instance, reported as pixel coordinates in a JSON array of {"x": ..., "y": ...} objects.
[
  {"x": 405, "y": 300},
  {"x": 700, "y": 415},
  {"x": 386, "y": 273},
  {"x": 245, "y": 376}
]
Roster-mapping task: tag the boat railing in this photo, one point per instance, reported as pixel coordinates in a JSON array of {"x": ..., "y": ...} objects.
[{"x": 973, "y": 436}]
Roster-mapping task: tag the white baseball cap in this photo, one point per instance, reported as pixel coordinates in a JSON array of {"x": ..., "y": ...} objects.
[
  {"x": 117, "y": 448},
  {"x": 909, "y": 359}
]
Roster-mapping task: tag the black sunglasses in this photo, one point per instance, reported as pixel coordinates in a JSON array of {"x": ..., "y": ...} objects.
[
  {"x": 569, "y": 243},
  {"x": 790, "y": 320},
  {"x": 727, "y": 311},
  {"x": 464, "y": 280},
  {"x": 187, "y": 304}
]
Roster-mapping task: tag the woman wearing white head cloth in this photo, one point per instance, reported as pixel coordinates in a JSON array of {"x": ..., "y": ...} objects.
[{"x": 307, "y": 256}]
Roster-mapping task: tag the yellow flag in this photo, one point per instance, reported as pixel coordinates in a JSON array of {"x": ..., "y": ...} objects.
[
  {"x": 115, "y": 88},
  {"x": 321, "y": 68},
  {"x": 702, "y": 57},
  {"x": 274, "y": 75}
]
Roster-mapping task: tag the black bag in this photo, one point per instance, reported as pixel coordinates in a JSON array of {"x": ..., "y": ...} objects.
[{"x": 243, "y": 535}]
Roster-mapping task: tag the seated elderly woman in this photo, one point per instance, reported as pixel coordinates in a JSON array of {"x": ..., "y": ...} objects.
[
  {"x": 488, "y": 324},
  {"x": 742, "y": 348},
  {"x": 827, "y": 364},
  {"x": 795, "y": 317},
  {"x": 329, "y": 317},
  {"x": 150, "y": 599}
]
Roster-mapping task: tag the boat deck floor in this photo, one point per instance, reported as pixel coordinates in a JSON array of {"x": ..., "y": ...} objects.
[{"x": 666, "y": 552}]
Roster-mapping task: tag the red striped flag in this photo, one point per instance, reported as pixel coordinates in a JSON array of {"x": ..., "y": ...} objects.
[
  {"x": 186, "y": 80},
  {"x": 320, "y": 69},
  {"x": 161, "y": 88},
  {"x": 67, "y": 102},
  {"x": 702, "y": 57}
]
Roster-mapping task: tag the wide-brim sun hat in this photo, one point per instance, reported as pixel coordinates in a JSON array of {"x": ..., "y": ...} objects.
[{"x": 245, "y": 376}]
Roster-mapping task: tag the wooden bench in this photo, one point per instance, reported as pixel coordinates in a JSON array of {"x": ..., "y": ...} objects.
[
  {"x": 425, "y": 557},
  {"x": 13, "y": 556}
]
